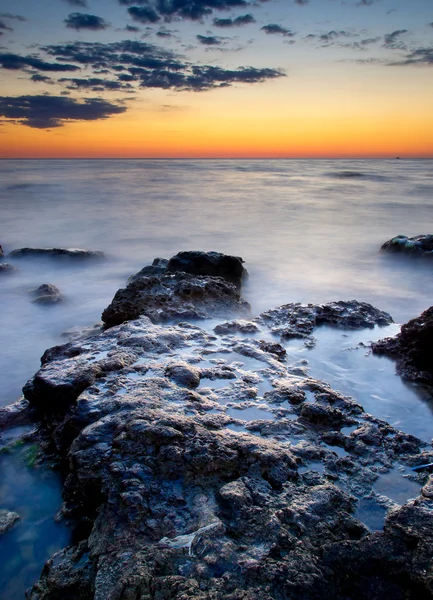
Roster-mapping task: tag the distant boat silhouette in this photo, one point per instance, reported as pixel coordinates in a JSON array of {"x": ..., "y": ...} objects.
[{"x": 398, "y": 158}]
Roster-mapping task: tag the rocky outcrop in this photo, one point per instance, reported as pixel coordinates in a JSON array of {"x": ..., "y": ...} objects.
[
  {"x": 47, "y": 293},
  {"x": 206, "y": 467},
  {"x": 73, "y": 253},
  {"x": 412, "y": 349},
  {"x": 300, "y": 320},
  {"x": 7, "y": 520},
  {"x": 191, "y": 285},
  {"x": 7, "y": 268},
  {"x": 419, "y": 245}
]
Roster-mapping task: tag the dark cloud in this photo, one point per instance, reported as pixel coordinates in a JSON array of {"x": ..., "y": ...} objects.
[
  {"x": 153, "y": 66},
  {"x": 366, "y": 2},
  {"x": 116, "y": 55},
  {"x": 431, "y": 24},
  {"x": 331, "y": 37},
  {"x": 237, "y": 22},
  {"x": 144, "y": 14},
  {"x": 82, "y": 21},
  {"x": 194, "y": 10},
  {"x": 164, "y": 34},
  {"x": 10, "y": 16},
  {"x": 418, "y": 57},
  {"x": 362, "y": 44},
  {"x": 5, "y": 27},
  {"x": 302, "y": 2},
  {"x": 132, "y": 28},
  {"x": 202, "y": 78},
  {"x": 95, "y": 84},
  {"x": 209, "y": 40},
  {"x": 16, "y": 62},
  {"x": 44, "y": 112},
  {"x": 82, "y": 3},
  {"x": 273, "y": 29},
  {"x": 393, "y": 41},
  {"x": 38, "y": 78}
]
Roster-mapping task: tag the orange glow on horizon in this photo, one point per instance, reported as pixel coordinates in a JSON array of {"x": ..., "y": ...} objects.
[{"x": 372, "y": 119}]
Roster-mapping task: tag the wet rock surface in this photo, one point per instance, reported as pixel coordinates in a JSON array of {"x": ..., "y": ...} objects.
[
  {"x": 191, "y": 285},
  {"x": 73, "y": 253},
  {"x": 419, "y": 245},
  {"x": 7, "y": 520},
  {"x": 300, "y": 320},
  {"x": 205, "y": 466},
  {"x": 412, "y": 349},
  {"x": 212, "y": 264},
  {"x": 47, "y": 293}
]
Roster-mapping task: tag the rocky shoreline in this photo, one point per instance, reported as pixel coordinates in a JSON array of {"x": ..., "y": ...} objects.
[{"x": 201, "y": 464}]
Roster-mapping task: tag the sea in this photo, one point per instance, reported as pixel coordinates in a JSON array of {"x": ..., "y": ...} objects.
[{"x": 308, "y": 231}]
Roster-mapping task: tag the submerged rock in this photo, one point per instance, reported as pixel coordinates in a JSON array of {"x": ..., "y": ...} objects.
[
  {"x": 75, "y": 253},
  {"x": 7, "y": 268},
  {"x": 412, "y": 348},
  {"x": 419, "y": 245},
  {"x": 7, "y": 520},
  {"x": 191, "y": 285},
  {"x": 47, "y": 293}
]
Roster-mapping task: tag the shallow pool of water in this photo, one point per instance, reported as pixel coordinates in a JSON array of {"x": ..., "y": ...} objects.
[{"x": 34, "y": 492}]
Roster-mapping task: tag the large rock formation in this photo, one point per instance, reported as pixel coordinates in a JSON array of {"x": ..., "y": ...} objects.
[
  {"x": 412, "y": 348},
  {"x": 204, "y": 467},
  {"x": 191, "y": 285}
]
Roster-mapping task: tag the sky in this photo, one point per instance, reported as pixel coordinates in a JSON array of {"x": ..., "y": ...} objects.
[{"x": 216, "y": 78}]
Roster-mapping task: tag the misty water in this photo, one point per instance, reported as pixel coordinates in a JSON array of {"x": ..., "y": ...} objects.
[{"x": 308, "y": 230}]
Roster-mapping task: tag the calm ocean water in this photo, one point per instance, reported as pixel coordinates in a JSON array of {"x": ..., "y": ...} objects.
[{"x": 308, "y": 230}]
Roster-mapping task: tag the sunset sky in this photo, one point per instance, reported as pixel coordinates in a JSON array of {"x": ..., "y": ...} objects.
[{"x": 216, "y": 78}]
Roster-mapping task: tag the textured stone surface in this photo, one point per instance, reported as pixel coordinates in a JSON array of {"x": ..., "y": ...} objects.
[
  {"x": 419, "y": 245},
  {"x": 197, "y": 483},
  {"x": 47, "y": 293},
  {"x": 7, "y": 520},
  {"x": 412, "y": 349},
  {"x": 163, "y": 295}
]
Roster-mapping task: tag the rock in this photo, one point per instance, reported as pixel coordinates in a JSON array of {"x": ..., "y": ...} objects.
[
  {"x": 427, "y": 490},
  {"x": 412, "y": 349},
  {"x": 14, "y": 414},
  {"x": 420, "y": 245},
  {"x": 212, "y": 264},
  {"x": 47, "y": 293},
  {"x": 195, "y": 490},
  {"x": 158, "y": 267},
  {"x": 175, "y": 296},
  {"x": 73, "y": 253},
  {"x": 7, "y": 520},
  {"x": 7, "y": 268},
  {"x": 273, "y": 348},
  {"x": 184, "y": 374},
  {"x": 300, "y": 320},
  {"x": 238, "y": 326}
]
